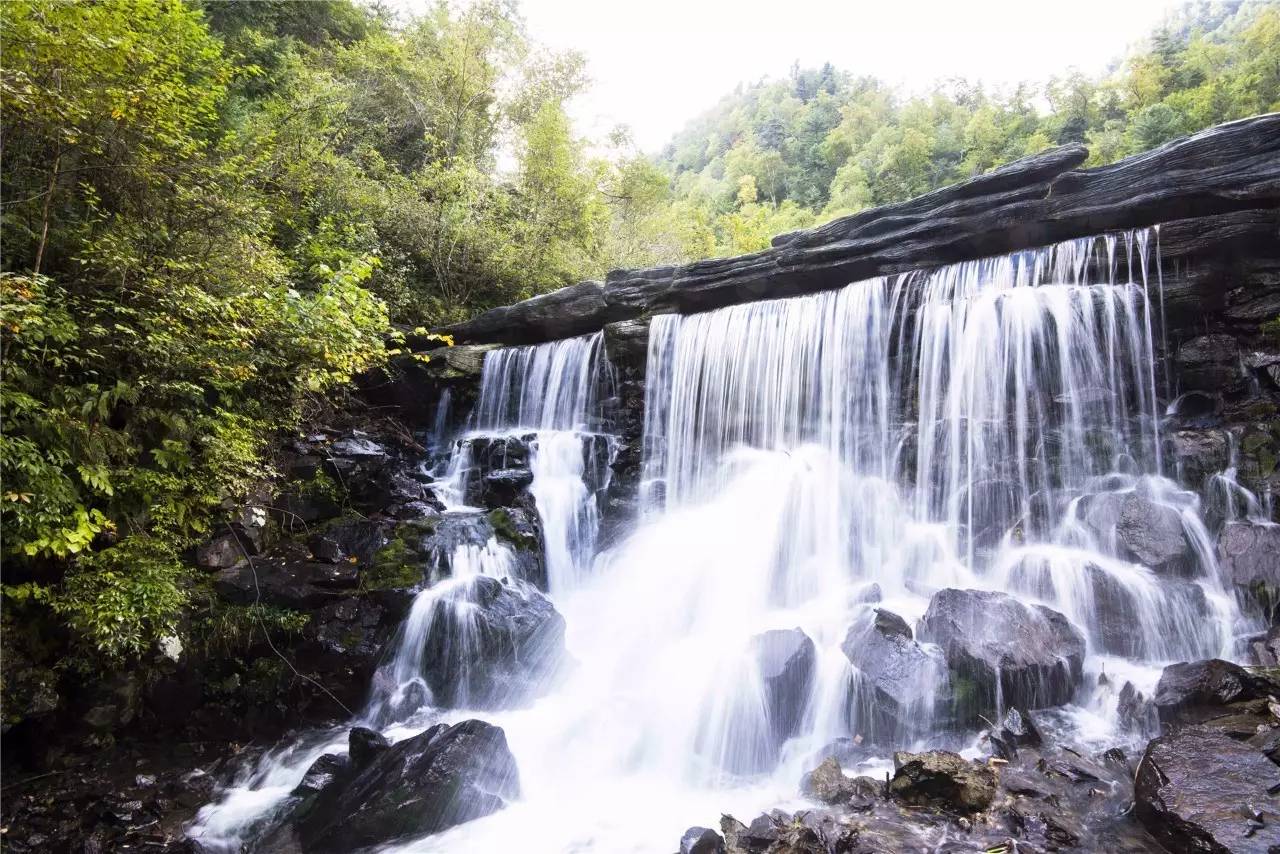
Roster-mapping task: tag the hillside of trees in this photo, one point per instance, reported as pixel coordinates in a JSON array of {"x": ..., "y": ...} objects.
[
  {"x": 216, "y": 214},
  {"x": 785, "y": 154}
]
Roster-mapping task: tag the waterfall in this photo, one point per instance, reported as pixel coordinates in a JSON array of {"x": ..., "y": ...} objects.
[{"x": 815, "y": 469}]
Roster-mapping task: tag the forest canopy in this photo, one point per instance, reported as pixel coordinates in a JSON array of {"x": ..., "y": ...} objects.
[{"x": 214, "y": 214}]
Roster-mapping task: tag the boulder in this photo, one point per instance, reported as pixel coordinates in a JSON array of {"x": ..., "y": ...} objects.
[
  {"x": 422, "y": 785},
  {"x": 1122, "y": 624},
  {"x": 829, "y": 784},
  {"x": 1249, "y": 557},
  {"x": 1209, "y": 363},
  {"x": 1136, "y": 712},
  {"x": 1198, "y": 790},
  {"x": 701, "y": 840},
  {"x": 353, "y": 541},
  {"x": 503, "y": 487},
  {"x": 942, "y": 779},
  {"x": 1193, "y": 690},
  {"x": 1198, "y": 454},
  {"x": 1016, "y": 729},
  {"x": 220, "y": 552},
  {"x": 365, "y": 745},
  {"x": 1028, "y": 656},
  {"x": 322, "y": 773},
  {"x": 491, "y": 644},
  {"x": 897, "y": 679},
  {"x": 285, "y": 583},
  {"x": 1139, "y": 529},
  {"x": 342, "y": 643},
  {"x": 786, "y": 659},
  {"x": 1264, "y": 649}
]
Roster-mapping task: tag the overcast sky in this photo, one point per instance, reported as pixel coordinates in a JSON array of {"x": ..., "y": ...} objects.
[{"x": 655, "y": 64}]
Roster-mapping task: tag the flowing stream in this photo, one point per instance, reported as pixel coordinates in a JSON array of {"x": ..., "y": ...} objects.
[{"x": 981, "y": 426}]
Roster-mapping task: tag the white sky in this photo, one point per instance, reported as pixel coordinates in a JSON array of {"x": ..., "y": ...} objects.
[{"x": 655, "y": 64}]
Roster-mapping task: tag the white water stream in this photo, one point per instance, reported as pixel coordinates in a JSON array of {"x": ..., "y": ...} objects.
[{"x": 973, "y": 426}]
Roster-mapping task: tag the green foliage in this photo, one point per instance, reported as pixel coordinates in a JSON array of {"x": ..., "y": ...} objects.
[
  {"x": 233, "y": 629},
  {"x": 820, "y": 144},
  {"x": 122, "y": 599},
  {"x": 157, "y": 334}
]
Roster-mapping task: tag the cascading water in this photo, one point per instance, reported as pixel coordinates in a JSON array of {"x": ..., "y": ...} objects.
[{"x": 815, "y": 470}]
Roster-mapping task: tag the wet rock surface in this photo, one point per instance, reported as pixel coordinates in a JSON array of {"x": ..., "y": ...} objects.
[
  {"x": 786, "y": 659},
  {"x": 1198, "y": 789},
  {"x": 1193, "y": 690},
  {"x": 1249, "y": 556},
  {"x": 995, "y": 645},
  {"x": 897, "y": 679},
  {"x": 424, "y": 784},
  {"x": 499, "y": 652},
  {"x": 942, "y": 779}
]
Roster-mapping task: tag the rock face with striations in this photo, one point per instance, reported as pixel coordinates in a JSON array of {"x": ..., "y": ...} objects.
[{"x": 1198, "y": 790}]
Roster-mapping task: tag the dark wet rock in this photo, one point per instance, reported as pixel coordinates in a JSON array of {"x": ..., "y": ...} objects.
[
  {"x": 342, "y": 642},
  {"x": 786, "y": 658},
  {"x": 1016, "y": 729},
  {"x": 354, "y": 541},
  {"x": 1197, "y": 455},
  {"x": 298, "y": 585},
  {"x": 419, "y": 786},
  {"x": 627, "y": 342},
  {"x": 573, "y": 310},
  {"x": 1120, "y": 624},
  {"x": 896, "y": 679},
  {"x": 701, "y": 840},
  {"x": 496, "y": 651},
  {"x": 1209, "y": 363},
  {"x": 1191, "y": 690},
  {"x": 1249, "y": 555},
  {"x": 365, "y": 745},
  {"x": 1264, "y": 649},
  {"x": 1136, "y": 712},
  {"x": 322, "y": 773},
  {"x": 502, "y": 487},
  {"x": 220, "y": 552},
  {"x": 942, "y": 779},
  {"x": 829, "y": 784},
  {"x": 995, "y": 645},
  {"x": 1141, "y": 530},
  {"x": 1198, "y": 790}
]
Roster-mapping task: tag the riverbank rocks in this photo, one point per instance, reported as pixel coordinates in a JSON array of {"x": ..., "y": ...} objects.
[
  {"x": 996, "y": 646},
  {"x": 1249, "y": 557},
  {"x": 942, "y": 779},
  {"x": 896, "y": 679},
  {"x": 491, "y": 644},
  {"x": 829, "y": 784},
  {"x": 425, "y": 784},
  {"x": 701, "y": 840},
  {"x": 786, "y": 659},
  {"x": 1190, "y": 690},
  {"x": 1198, "y": 790}
]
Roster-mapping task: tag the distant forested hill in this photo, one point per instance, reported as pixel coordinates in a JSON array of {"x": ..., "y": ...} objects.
[{"x": 782, "y": 154}]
